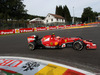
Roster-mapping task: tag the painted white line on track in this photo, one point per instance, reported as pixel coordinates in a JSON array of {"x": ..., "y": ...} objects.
[{"x": 47, "y": 62}]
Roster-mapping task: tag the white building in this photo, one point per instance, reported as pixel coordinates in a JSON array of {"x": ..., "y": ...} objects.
[
  {"x": 36, "y": 22},
  {"x": 52, "y": 18}
]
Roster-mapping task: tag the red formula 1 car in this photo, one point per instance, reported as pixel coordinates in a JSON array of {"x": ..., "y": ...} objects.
[{"x": 50, "y": 41}]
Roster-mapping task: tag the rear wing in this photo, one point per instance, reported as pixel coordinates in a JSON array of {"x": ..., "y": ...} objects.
[{"x": 31, "y": 38}]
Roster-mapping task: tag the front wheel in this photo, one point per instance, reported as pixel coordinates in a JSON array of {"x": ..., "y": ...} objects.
[
  {"x": 31, "y": 46},
  {"x": 78, "y": 45}
]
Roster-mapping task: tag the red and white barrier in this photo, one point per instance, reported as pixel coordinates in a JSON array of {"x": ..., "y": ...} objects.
[
  {"x": 61, "y": 27},
  {"x": 52, "y": 27},
  {"x": 67, "y": 26},
  {"x": 40, "y": 28},
  {"x": 3, "y": 32},
  {"x": 23, "y": 30}
]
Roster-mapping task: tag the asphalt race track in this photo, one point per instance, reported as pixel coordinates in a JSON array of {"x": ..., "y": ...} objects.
[{"x": 16, "y": 45}]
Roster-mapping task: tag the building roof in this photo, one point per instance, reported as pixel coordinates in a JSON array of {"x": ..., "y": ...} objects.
[
  {"x": 36, "y": 19},
  {"x": 57, "y": 16}
]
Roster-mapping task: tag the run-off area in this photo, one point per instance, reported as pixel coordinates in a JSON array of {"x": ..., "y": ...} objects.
[{"x": 16, "y": 45}]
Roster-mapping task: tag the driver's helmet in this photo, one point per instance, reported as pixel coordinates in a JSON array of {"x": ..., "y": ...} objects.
[
  {"x": 53, "y": 34},
  {"x": 58, "y": 37}
]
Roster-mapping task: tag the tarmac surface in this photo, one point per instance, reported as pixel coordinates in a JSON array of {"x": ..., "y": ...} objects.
[{"x": 16, "y": 45}]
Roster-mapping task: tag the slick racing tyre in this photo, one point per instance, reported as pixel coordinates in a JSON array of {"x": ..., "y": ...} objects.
[
  {"x": 31, "y": 46},
  {"x": 78, "y": 45}
]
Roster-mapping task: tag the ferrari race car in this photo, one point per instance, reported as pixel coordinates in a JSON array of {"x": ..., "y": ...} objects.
[{"x": 51, "y": 41}]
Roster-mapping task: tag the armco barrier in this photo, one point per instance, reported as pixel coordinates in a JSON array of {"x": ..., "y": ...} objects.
[
  {"x": 73, "y": 25},
  {"x": 3, "y": 32},
  {"x": 94, "y": 23},
  {"x": 23, "y": 30},
  {"x": 79, "y": 24},
  {"x": 52, "y": 27},
  {"x": 31, "y": 66},
  {"x": 61, "y": 27},
  {"x": 40, "y": 28},
  {"x": 67, "y": 26},
  {"x": 13, "y": 31}
]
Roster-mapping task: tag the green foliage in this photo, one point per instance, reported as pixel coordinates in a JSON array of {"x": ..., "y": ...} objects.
[
  {"x": 60, "y": 11},
  {"x": 12, "y": 9},
  {"x": 13, "y": 14},
  {"x": 88, "y": 15},
  {"x": 98, "y": 13},
  {"x": 67, "y": 15},
  {"x": 57, "y": 12},
  {"x": 64, "y": 12}
]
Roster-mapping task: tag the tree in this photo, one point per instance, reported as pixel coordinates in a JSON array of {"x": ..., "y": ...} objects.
[
  {"x": 88, "y": 15},
  {"x": 95, "y": 15},
  {"x": 12, "y": 9},
  {"x": 66, "y": 14},
  {"x": 99, "y": 13},
  {"x": 60, "y": 10},
  {"x": 57, "y": 10},
  {"x": 17, "y": 8}
]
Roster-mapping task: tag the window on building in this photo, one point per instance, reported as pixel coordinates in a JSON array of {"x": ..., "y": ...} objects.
[
  {"x": 47, "y": 21},
  {"x": 51, "y": 19},
  {"x": 57, "y": 19}
]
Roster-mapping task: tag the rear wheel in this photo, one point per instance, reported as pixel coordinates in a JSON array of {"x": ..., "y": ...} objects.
[
  {"x": 78, "y": 45},
  {"x": 31, "y": 46}
]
